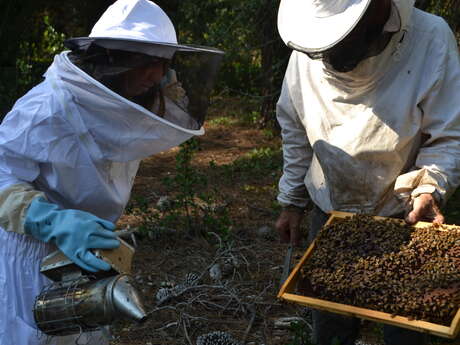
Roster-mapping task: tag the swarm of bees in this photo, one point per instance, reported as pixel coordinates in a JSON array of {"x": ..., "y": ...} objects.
[{"x": 387, "y": 266}]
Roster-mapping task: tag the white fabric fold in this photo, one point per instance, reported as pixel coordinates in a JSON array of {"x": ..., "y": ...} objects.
[
  {"x": 364, "y": 132},
  {"x": 80, "y": 143},
  {"x": 15, "y": 201}
]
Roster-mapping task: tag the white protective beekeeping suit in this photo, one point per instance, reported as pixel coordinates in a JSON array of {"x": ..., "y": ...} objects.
[
  {"x": 79, "y": 144},
  {"x": 366, "y": 140}
]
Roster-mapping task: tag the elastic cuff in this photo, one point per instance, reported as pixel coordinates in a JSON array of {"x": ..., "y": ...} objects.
[
  {"x": 293, "y": 208},
  {"x": 426, "y": 189},
  {"x": 285, "y": 200},
  {"x": 14, "y": 202}
]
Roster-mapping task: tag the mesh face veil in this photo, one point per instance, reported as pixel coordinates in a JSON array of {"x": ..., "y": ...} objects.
[
  {"x": 367, "y": 39},
  {"x": 174, "y": 89},
  {"x": 133, "y": 50},
  {"x": 347, "y": 55}
]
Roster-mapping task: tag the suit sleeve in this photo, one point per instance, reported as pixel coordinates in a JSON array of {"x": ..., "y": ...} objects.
[
  {"x": 297, "y": 152},
  {"x": 437, "y": 166}
]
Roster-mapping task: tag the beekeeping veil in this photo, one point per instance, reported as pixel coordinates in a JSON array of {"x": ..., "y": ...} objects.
[
  {"x": 342, "y": 33},
  {"x": 134, "y": 33}
]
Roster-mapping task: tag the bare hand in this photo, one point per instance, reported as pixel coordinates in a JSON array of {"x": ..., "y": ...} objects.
[
  {"x": 425, "y": 208},
  {"x": 288, "y": 226}
]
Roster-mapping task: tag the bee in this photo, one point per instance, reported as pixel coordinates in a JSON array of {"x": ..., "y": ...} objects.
[{"x": 389, "y": 266}]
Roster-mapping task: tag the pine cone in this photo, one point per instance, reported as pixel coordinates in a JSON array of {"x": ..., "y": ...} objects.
[
  {"x": 191, "y": 279},
  {"x": 163, "y": 293}
]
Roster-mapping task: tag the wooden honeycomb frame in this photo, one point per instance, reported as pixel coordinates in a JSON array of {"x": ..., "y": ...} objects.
[{"x": 287, "y": 293}]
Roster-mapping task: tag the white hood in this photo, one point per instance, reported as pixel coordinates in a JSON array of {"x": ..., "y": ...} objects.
[
  {"x": 115, "y": 128},
  {"x": 361, "y": 141},
  {"x": 80, "y": 143},
  {"x": 369, "y": 71}
]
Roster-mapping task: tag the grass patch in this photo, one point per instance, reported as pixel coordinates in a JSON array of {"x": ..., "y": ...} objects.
[
  {"x": 223, "y": 121},
  {"x": 265, "y": 161}
]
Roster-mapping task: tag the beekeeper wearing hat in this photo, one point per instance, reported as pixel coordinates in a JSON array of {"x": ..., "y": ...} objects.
[
  {"x": 370, "y": 119},
  {"x": 70, "y": 148}
]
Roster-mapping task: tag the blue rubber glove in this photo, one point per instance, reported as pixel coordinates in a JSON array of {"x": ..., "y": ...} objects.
[{"x": 74, "y": 232}]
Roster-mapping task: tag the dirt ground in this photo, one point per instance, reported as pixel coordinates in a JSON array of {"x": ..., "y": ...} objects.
[
  {"x": 243, "y": 302},
  {"x": 193, "y": 285}
]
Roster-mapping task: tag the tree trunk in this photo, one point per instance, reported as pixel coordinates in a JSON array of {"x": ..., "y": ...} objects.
[{"x": 268, "y": 39}]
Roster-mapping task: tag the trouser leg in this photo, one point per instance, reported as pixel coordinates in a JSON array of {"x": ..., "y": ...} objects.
[
  {"x": 330, "y": 328},
  {"x": 317, "y": 219},
  {"x": 393, "y": 335},
  {"x": 90, "y": 338},
  {"x": 20, "y": 283},
  {"x": 334, "y": 329}
]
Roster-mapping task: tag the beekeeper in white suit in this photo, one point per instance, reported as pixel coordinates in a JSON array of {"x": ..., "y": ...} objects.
[
  {"x": 370, "y": 119},
  {"x": 70, "y": 148}
]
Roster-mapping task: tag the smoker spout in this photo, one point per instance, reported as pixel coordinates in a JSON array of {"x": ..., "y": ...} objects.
[{"x": 127, "y": 300}]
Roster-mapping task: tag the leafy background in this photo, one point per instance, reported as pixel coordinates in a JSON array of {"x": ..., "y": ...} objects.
[
  {"x": 31, "y": 33},
  {"x": 222, "y": 184}
]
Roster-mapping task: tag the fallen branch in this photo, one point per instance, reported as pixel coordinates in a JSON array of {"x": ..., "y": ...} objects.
[
  {"x": 186, "y": 332},
  {"x": 251, "y": 322}
]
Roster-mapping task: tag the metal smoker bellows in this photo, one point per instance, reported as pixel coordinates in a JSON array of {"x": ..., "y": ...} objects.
[{"x": 80, "y": 301}]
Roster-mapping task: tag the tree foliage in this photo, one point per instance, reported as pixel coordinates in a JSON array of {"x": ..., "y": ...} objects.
[
  {"x": 255, "y": 57},
  {"x": 448, "y": 9},
  {"x": 31, "y": 32}
]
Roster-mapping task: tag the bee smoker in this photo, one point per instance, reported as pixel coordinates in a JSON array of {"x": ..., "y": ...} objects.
[{"x": 80, "y": 301}]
